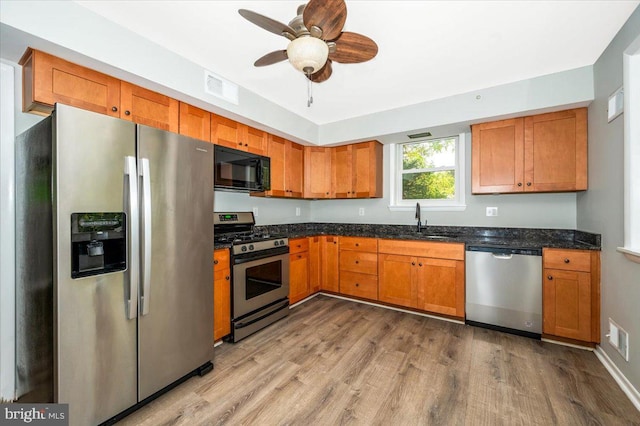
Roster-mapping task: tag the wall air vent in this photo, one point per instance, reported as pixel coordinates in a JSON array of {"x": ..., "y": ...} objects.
[
  {"x": 219, "y": 87},
  {"x": 419, "y": 135}
]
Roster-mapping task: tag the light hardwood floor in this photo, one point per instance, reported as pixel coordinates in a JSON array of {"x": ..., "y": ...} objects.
[{"x": 334, "y": 361}]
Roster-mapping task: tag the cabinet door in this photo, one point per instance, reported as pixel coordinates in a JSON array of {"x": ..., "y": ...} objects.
[
  {"x": 441, "y": 286},
  {"x": 254, "y": 140},
  {"x": 341, "y": 171},
  {"x": 567, "y": 304},
  {"x": 226, "y": 132},
  {"x": 221, "y": 303},
  {"x": 317, "y": 172},
  {"x": 195, "y": 122},
  {"x": 367, "y": 170},
  {"x": 555, "y": 151},
  {"x": 276, "y": 151},
  {"x": 330, "y": 262},
  {"x": 298, "y": 276},
  {"x": 150, "y": 108},
  {"x": 294, "y": 166},
  {"x": 359, "y": 285},
  {"x": 314, "y": 264},
  {"x": 396, "y": 280},
  {"x": 47, "y": 80},
  {"x": 497, "y": 156}
]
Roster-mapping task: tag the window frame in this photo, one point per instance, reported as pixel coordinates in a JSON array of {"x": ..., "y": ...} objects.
[{"x": 396, "y": 172}]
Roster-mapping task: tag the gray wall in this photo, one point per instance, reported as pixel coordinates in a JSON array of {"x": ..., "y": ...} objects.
[
  {"x": 601, "y": 208},
  {"x": 514, "y": 210}
]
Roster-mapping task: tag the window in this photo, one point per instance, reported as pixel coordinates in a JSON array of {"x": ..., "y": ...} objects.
[{"x": 430, "y": 172}]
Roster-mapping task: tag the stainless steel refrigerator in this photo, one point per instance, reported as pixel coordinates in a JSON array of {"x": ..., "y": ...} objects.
[{"x": 114, "y": 232}]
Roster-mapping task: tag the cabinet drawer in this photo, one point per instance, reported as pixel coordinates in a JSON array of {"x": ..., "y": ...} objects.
[
  {"x": 359, "y": 285},
  {"x": 298, "y": 245},
  {"x": 356, "y": 261},
  {"x": 453, "y": 251},
  {"x": 220, "y": 259},
  {"x": 569, "y": 260},
  {"x": 360, "y": 244}
]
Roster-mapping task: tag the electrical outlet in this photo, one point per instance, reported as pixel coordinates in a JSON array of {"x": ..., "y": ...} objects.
[
  {"x": 255, "y": 212},
  {"x": 297, "y": 211},
  {"x": 361, "y": 211},
  {"x": 492, "y": 211},
  {"x": 619, "y": 339}
]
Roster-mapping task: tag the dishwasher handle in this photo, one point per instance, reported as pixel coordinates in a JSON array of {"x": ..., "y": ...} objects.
[{"x": 502, "y": 256}]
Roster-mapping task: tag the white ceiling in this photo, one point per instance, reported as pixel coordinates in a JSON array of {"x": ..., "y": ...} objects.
[{"x": 427, "y": 49}]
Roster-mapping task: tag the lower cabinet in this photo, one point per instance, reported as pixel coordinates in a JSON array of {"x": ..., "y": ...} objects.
[
  {"x": 221, "y": 294},
  {"x": 432, "y": 282},
  {"x": 315, "y": 266},
  {"x": 330, "y": 269},
  {"x": 298, "y": 269},
  {"x": 571, "y": 294},
  {"x": 358, "y": 263}
]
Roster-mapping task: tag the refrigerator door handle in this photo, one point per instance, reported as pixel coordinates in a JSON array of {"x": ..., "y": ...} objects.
[
  {"x": 145, "y": 176},
  {"x": 130, "y": 171}
]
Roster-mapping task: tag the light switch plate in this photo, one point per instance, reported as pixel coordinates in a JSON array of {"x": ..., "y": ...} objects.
[
  {"x": 297, "y": 211},
  {"x": 361, "y": 211},
  {"x": 255, "y": 212},
  {"x": 492, "y": 211}
]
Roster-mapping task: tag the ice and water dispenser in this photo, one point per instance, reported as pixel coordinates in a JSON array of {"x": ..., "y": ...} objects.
[{"x": 98, "y": 243}]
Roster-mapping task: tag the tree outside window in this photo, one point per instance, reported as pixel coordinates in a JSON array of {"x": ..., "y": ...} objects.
[{"x": 429, "y": 169}]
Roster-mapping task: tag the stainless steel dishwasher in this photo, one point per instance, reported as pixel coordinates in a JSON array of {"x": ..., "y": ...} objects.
[{"x": 504, "y": 289}]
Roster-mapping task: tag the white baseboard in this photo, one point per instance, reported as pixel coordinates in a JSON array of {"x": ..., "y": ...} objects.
[{"x": 617, "y": 375}]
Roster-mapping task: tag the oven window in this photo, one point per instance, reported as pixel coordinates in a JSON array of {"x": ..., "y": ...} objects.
[{"x": 263, "y": 278}]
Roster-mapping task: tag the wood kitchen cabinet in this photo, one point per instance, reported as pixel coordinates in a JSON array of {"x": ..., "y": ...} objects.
[
  {"x": 357, "y": 170},
  {"x": 422, "y": 275},
  {"x": 287, "y": 164},
  {"x": 571, "y": 294},
  {"x": 317, "y": 172},
  {"x": 539, "y": 153},
  {"x": 221, "y": 294},
  {"x": 315, "y": 266},
  {"x": 150, "y": 108},
  {"x": 358, "y": 268},
  {"x": 330, "y": 264},
  {"x": 47, "y": 79},
  {"x": 298, "y": 269},
  {"x": 230, "y": 133},
  {"x": 195, "y": 122}
]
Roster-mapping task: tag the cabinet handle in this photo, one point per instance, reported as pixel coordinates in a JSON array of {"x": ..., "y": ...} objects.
[
  {"x": 413, "y": 263},
  {"x": 326, "y": 193},
  {"x": 127, "y": 112},
  {"x": 246, "y": 144},
  {"x": 335, "y": 242},
  {"x": 519, "y": 183},
  {"x": 419, "y": 264},
  {"x": 357, "y": 244},
  {"x": 567, "y": 260},
  {"x": 114, "y": 109},
  {"x": 227, "y": 278},
  {"x": 299, "y": 256},
  {"x": 215, "y": 261},
  {"x": 357, "y": 285},
  {"x": 528, "y": 183},
  {"x": 549, "y": 277},
  {"x": 299, "y": 246},
  {"x": 357, "y": 262}
]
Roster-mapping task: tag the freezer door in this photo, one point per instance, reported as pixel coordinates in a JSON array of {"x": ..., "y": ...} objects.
[
  {"x": 176, "y": 286},
  {"x": 95, "y": 341}
]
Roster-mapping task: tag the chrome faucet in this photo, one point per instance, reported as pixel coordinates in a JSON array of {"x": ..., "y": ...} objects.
[{"x": 418, "y": 217}]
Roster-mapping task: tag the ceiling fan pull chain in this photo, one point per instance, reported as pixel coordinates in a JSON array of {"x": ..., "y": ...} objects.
[{"x": 309, "y": 93}]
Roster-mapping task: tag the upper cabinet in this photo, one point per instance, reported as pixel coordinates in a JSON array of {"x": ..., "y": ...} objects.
[
  {"x": 47, "y": 80},
  {"x": 287, "y": 165},
  {"x": 150, "y": 108},
  {"x": 195, "y": 122},
  {"x": 317, "y": 172},
  {"x": 230, "y": 133},
  {"x": 540, "y": 153},
  {"x": 357, "y": 170}
]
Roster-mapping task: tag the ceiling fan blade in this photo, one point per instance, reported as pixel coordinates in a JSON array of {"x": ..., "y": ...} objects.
[
  {"x": 267, "y": 23},
  {"x": 271, "y": 58},
  {"x": 352, "y": 48},
  {"x": 323, "y": 74},
  {"x": 328, "y": 15}
]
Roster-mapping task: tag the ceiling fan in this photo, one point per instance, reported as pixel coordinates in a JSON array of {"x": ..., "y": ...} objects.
[{"x": 315, "y": 39}]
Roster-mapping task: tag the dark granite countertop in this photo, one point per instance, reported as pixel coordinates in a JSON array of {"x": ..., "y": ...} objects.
[{"x": 533, "y": 238}]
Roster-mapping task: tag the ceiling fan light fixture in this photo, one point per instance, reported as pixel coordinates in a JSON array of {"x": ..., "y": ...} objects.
[{"x": 307, "y": 54}]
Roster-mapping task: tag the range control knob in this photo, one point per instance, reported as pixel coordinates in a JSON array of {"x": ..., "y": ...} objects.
[
  {"x": 276, "y": 243},
  {"x": 244, "y": 248},
  {"x": 281, "y": 242},
  {"x": 250, "y": 246}
]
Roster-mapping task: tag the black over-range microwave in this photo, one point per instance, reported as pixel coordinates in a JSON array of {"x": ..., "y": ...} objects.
[{"x": 241, "y": 171}]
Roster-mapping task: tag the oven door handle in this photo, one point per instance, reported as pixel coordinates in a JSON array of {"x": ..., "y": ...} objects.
[
  {"x": 237, "y": 259},
  {"x": 276, "y": 308}
]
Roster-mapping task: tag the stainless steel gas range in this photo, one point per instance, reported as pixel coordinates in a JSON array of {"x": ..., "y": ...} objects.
[{"x": 260, "y": 273}]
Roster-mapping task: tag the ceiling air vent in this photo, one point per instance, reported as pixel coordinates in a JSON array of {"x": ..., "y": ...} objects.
[
  {"x": 219, "y": 87},
  {"x": 419, "y": 135}
]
